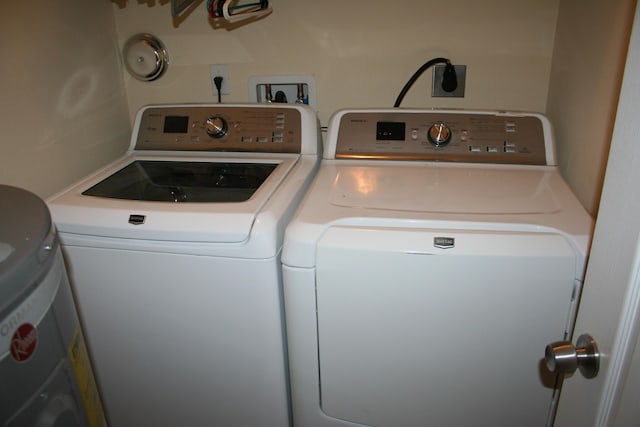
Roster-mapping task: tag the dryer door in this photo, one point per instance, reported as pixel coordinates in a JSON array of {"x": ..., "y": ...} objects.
[{"x": 440, "y": 327}]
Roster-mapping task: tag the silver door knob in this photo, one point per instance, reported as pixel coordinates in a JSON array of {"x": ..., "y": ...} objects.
[{"x": 563, "y": 358}]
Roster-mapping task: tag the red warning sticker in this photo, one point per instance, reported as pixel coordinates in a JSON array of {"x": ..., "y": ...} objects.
[{"x": 24, "y": 342}]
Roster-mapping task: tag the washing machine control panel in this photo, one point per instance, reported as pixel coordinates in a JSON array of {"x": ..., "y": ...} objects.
[
  {"x": 219, "y": 128},
  {"x": 456, "y": 136}
]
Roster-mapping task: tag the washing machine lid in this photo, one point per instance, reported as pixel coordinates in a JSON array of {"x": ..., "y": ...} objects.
[
  {"x": 26, "y": 240},
  {"x": 192, "y": 197}
]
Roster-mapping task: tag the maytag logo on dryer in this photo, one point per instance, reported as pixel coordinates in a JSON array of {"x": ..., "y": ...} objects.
[
  {"x": 444, "y": 242},
  {"x": 137, "y": 219}
]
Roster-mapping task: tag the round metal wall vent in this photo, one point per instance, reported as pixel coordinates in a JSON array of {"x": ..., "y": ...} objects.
[{"x": 145, "y": 57}]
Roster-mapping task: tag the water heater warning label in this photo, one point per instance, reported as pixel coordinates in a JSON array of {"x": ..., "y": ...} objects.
[{"x": 79, "y": 357}]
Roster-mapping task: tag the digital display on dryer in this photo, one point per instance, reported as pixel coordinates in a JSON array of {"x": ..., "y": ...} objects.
[
  {"x": 390, "y": 131},
  {"x": 176, "y": 124}
]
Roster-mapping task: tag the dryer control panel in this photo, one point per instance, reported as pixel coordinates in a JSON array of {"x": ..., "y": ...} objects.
[
  {"x": 454, "y": 136},
  {"x": 219, "y": 128}
]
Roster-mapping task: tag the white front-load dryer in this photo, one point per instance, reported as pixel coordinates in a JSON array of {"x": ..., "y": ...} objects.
[{"x": 433, "y": 258}]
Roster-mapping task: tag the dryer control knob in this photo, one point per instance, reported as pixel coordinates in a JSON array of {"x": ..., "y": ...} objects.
[
  {"x": 216, "y": 127},
  {"x": 439, "y": 134}
]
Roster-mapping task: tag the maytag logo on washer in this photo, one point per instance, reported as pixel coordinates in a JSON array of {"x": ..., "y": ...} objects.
[
  {"x": 444, "y": 242},
  {"x": 137, "y": 219}
]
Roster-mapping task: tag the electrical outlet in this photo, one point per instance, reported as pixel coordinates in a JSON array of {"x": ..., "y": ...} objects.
[
  {"x": 438, "y": 72},
  {"x": 222, "y": 71}
]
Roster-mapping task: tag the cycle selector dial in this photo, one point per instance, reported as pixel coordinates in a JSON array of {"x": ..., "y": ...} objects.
[
  {"x": 216, "y": 127},
  {"x": 439, "y": 134}
]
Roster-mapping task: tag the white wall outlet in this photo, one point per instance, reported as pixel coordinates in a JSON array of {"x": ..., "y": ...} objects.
[{"x": 222, "y": 71}]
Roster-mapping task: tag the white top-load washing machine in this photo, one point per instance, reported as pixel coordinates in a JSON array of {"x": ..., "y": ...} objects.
[
  {"x": 433, "y": 258},
  {"x": 174, "y": 256}
]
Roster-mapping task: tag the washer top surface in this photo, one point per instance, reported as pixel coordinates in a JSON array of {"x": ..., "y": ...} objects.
[
  {"x": 372, "y": 176},
  {"x": 198, "y": 173}
]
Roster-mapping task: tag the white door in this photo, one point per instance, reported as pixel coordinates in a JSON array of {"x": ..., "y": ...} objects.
[{"x": 609, "y": 309}]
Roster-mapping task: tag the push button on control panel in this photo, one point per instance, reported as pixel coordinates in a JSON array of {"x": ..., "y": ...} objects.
[
  {"x": 277, "y": 137},
  {"x": 510, "y": 147}
]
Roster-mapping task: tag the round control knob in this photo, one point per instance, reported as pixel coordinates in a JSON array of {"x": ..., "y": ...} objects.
[
  {"x": 439, "y": 134},
  {"x": 216, "y": 127}
]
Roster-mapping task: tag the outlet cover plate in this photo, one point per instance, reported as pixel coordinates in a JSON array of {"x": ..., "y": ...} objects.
[{"x": 437, "y": 91}]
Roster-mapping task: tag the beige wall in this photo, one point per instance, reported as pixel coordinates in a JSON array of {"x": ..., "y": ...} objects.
[
  {"x": 63, "y": 110},
  {"x": 360, "y": 52},
  {"x": 588, "y": 61}
]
